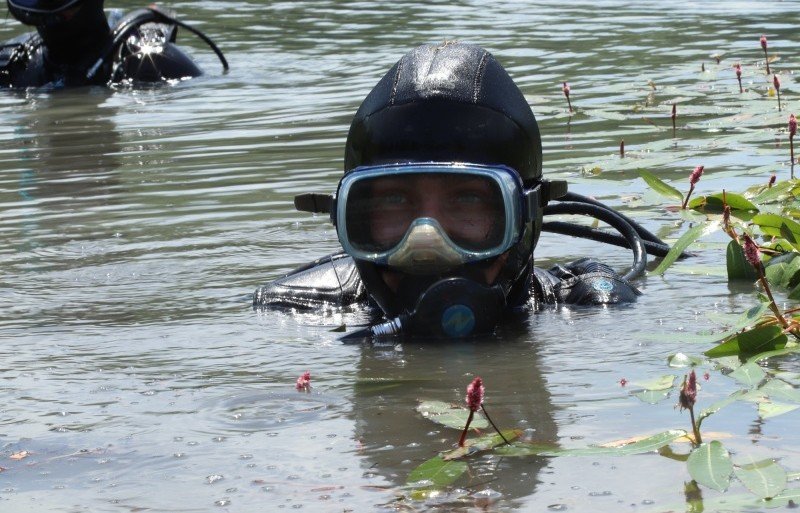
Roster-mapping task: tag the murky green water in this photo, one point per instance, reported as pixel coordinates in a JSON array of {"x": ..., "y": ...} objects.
[{"x": 135, "y": 224}]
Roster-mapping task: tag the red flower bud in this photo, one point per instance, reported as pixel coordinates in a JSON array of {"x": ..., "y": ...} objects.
[
  {"x": 695, "y": 176},
  {"x": 304, "y": 381},
  {"x": 772, "y": 180},
  {"x": 776, "y": 82},
  {"x": 751, "y": 252},
  {"x": 674, "y": 112},
  {"x": 764, "y": 43},
  {"x": 792, "y": 125},
  {"x": 475, "y": 393},
  {"x": 738, "y": 68},
  {"x": 565, "y": 89},
  {"x": 688, "y": 394}
]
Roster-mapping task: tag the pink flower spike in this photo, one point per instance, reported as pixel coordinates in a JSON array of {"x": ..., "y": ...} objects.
[
  {"x": 688, "y": 395},
  {"x": 696, "y": 174},
  {"x": 738, "y": 68},
  {"x": 565, "y": 89},
  {"x": 776, "y": 82},
  {"x": 772, "y": 180},
  {"x": 764, "y": 42},
  {"x": 751, "y": 252},
  {"x": 475, "y": 393},
  {"x": 792, "y": 125},
  {"x": 304, "y": 381},
  {"x": 623, "y": 382}
]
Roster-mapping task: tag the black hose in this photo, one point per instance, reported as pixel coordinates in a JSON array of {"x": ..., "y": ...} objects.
[
  {"x": 586, "y": 232},
  {"x": 643, "y": 232},
  {"x": 616, "y": 220},
  {"x": 134, "y": 21}
]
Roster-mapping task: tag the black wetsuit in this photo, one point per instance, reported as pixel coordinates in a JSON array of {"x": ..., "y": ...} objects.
[
  {"x": 135, "y": 49},
  {"x": 334, "y": 280}
]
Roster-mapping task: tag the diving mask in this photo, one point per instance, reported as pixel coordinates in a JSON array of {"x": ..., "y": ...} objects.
[
  {"x": 431, "y": 217},
  {"x": 43, "y": 12}
]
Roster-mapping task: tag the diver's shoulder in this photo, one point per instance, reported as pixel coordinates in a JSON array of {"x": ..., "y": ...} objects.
[
  {"x": 330, "y": 280},
  {"x": 585, "y": 281}
]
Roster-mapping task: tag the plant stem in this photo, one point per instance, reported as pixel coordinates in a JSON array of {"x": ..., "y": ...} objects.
[
  {"x": 772, "y": 305},
  {"x": 695, "y": 428},
  {"x": 686, "y": 199},
  {"x": 778, "y": 92},
  {"x": 492, "y": 423},
  {"x": 466, "y": 427}
]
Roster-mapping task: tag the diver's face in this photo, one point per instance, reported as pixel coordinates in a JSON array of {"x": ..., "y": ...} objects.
[{"x": 466, "y": 208}]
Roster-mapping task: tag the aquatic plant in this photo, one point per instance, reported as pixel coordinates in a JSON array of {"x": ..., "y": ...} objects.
[
  {"x": 792, "y": 132},
  {"x": 622, "y": 149},
  {"x": 303, "y": 383},
  {"x": 565, "y": 90},
  {"x": 686, "y": 400},
  {"x": 764, "y": 47},
  {"x": 674, "y": 116},
  {"x": 475, "y": 393},
  {"x": 694, "y": 177},
  {"x": 776, "y": 82},
  {"x": 738, "y": 68}
]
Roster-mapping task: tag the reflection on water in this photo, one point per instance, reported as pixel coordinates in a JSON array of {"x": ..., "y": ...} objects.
[{"x": 134, "y": 224}]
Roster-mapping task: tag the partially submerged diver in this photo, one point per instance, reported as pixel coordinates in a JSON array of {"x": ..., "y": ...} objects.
[
  {"x": 441, "y": 206},
  {"x": 75, "y": 44}
]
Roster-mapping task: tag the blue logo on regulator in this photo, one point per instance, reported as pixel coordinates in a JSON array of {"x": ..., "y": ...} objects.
[{"x": 458, "y": 321}]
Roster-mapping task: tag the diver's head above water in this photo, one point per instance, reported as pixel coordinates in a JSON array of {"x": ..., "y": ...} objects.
[
  {"x": 68, "y": 28},
  {"x": 442, "y": 197}
]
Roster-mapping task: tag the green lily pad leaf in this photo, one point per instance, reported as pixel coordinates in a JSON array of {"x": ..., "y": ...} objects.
[
  {"x": 764, "y": 338},
  {"x": 764, "y": 478},
  {"x": 680, "y": 360},
  {"x": 691, "y": 235},
  {"x": 715, "y": 203},
  {"x": 450, "y": 416},
  {"x": 649, "y": 444},
  {"x": 772, "y": 224},
  {"x": 436, "y": 473},
  {"x": 481, "y": 444},
  {"x": 710, "y": 465},
  {"x": 660, "y": 383},
  {"x": 714, "y": 408},
  {"x": 749, "y": 374},
  {"x": 660, "y": 186},
  {"x": 738, "y": 266},
  {"x": 767, "y": 409}
]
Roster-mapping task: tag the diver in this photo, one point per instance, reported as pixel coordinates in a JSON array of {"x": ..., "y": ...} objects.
[
  {"x": 75, "y": 44},
  {"x": 441, "y": 206}
]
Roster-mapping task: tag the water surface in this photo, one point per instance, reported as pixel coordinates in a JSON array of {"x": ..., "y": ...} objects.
[{"x": 135, "y": 224}]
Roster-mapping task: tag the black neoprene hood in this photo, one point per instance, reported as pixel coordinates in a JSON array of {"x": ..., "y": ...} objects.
[{"x": 448, "y": 103}]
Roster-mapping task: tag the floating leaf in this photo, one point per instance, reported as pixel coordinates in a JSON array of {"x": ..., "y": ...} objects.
[
  {"x": 715, "y": 202},
  {"x": 684, "y": 242},
  {"x": 764, "y": 478},
  {"x": 436, "y": 473},
  {"x": 649, "y": 444},
  {"x": 738, "y": 266},
  {"x": 483, "y": 443},
  {"x": 777, "y": 389},
  {"x": 660, "y": 383},
  {"x": 714, "y": 408},
  {"x": 767, "y": 409},
  {"x": 749, "y": 374},
  {"x": 450, "y": 416},
  {"x": 763, "y": 338},
  {"x": 652, "y": 396},
  {"x": 772, "y": 224},
  {"x": 710, "y": 465},
  {"x": 660, "y": 186},
  {"x": 784, "y": 270},
  {"x": 780, "y": 192}
]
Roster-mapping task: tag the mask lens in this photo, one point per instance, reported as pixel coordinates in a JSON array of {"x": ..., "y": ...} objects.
[
  {"x": 469, "y": 208},
  {"x": 42, "y": 12}
]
